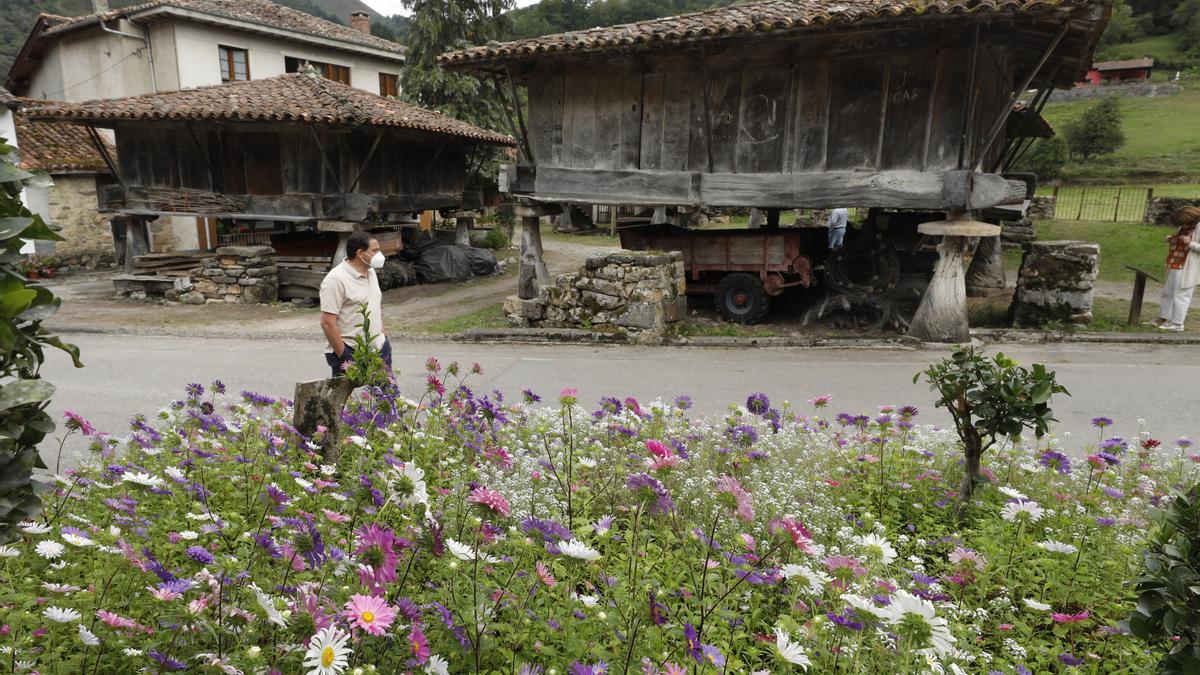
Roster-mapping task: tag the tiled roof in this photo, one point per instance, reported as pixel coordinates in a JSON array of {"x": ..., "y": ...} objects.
[
  {"x": 305, "y": 98},
  {"x": 55, "y": 147},
  {"x": 8, "y": 100},
  {"x": 765, "y": 16},
  {"x": 1122, "y": 65},
  {"x": 263, "y": 12}
]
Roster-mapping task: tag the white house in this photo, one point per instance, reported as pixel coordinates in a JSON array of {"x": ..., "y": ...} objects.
[{"x": 168, "y": 45}]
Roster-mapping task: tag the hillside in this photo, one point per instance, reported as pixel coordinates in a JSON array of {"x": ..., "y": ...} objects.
[{"x": 18, "y": 16}]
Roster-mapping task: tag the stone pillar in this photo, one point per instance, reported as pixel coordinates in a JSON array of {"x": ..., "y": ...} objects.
[
  {"x": 1055, "y": 283},
  {"x": 236, "y": 274},
  {"x": 942, "y": 316}
]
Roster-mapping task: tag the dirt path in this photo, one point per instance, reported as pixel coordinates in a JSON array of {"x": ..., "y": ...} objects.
[{"x": 89, "y": 303}]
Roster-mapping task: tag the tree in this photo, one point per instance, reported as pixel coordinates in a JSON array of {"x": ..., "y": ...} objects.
[
  {"x": 1046, "y": 158},
  {"x": 1098, "y": 131},
  {"x": 990, "y": 399},
  {"x": 438, "y": 26},
  {"x": 24, "y": 395},
  {"x": 1122, "y": 26}
]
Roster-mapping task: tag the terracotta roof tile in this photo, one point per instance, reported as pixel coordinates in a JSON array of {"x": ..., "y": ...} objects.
[
  {"x": 55, "y": 147},
  {"x": 773, "y": 16},
  {"x": 299, "y": 97},
  {"x": 262, "y": 12},
  {"x": 8, "y": 100}
]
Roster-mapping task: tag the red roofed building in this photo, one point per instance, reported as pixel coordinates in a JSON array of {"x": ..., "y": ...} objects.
[{"x": 1112, "y": 72}]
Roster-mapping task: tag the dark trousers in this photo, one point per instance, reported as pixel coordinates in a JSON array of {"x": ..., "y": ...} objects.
[{"x": 338, "y": 364}]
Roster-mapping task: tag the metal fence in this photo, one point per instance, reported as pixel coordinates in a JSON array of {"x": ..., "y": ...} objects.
[{"x": 1107, "y": 204}]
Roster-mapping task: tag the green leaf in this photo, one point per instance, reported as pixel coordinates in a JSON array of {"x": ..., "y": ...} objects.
[
  {"x": 13, "y": 225},
  {"x": 9, "y": 173},
  {"x": 16, "y": 301},
  {"x": 23, "y": 392}
]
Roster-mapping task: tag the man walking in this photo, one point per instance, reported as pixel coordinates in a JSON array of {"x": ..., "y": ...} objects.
[
  {"x": 838, "y": 219},
  {"x": 343, "y": 291}
]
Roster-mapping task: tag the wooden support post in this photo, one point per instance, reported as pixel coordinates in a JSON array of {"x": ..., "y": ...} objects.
[
  {"x": 531, "y": 273},
  {"x": 320, "y": 403},
  {"x": 1139, "y": 291},
  {"x": 942, "y": 315},
  {"x": 987, "y": 267},
  {"x": 462, "y": 231},
  {"x": 137, "y": 241}
]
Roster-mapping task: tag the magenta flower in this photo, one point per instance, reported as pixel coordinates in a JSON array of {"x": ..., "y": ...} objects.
[
  {"x": 370, "y": 613},
  {"x": 736, "y": 497},
  {"x": 377, "y": 557},
  {"x": 418, "y": 646},
  {"x": 491, "y": 500},
  {"x": 794, "y": 529},
  {"x": 75, "y": 422},
  {"x": 1070, "y": 618}
]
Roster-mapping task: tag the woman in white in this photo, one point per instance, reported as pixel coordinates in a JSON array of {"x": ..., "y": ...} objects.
[{"x": 1183, "y": 270}]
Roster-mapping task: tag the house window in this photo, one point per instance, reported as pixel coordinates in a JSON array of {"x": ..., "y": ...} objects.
[
  {"x": 389, "y": 85},
  {"x": 235, "y": 64},
  {"x": 330, "y": 71}
]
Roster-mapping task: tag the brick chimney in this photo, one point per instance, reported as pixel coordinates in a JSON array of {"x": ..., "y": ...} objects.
[
  {"x": 359, "y": 21},
  {"x": 99, "y": 6}
]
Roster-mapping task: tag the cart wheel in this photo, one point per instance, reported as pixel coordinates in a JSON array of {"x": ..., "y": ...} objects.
[{"x": 741, "y": 299}]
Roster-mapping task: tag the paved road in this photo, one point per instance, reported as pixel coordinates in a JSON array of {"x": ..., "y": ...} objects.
[{"x": 125, "y": 375}]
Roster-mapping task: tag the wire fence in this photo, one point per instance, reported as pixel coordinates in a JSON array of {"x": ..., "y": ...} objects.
[{"x": 1104, "y": 204}]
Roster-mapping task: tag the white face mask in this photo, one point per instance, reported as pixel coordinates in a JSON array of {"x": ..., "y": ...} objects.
[{"x": 376, "y": 261}]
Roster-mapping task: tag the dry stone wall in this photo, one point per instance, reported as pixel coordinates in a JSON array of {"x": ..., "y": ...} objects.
[
  {"x": 236, "y": 274},
  {"x": 635, "y": 292},
  {"x": 1158, "y": 211},
  {"x": 1056, "y": 283},
  {"x": 87, "y": 238}
]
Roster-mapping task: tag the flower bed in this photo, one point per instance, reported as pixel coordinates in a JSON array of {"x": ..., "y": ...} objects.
[{"x": 469, "y": 533}]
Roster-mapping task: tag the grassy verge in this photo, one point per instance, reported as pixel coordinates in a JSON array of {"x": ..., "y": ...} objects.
[
  {"x": 1109, "y": 315},
  {"x": 491, "y": 316},
  {"x": 590, "y": 239},
  {"x": 689, "y": 328}
]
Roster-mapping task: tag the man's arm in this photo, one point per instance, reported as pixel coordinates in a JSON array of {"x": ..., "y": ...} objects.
[{"x": 330, "y": 328}]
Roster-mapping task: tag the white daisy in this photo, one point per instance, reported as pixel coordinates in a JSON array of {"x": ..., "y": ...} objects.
[
  {"x": 790, "y": 651},
  {"x": 327, "y": 652},
  {"x": 586, "y": 462},
  {"x": 916, "y": 618},
  {"x": 1057, "y": 547},
  {"x": 174, "y": 473},
  {"x": 49, "y": 549},
  {"x": 328, "y": 470},
  {"x": 1034, "y": 604},
  {"x": 23, "y": 666},
  {"x": 589, "y": 601},
  {"x": 189, "y": 535},
  {"x": 87, "y": 637},
  {"x": 59, "y": 588},
  {"x": 408, "y": 484},
  {"x": 876, "y": 548},
  {"x": 1027, "y": 511},
  {"x": 437, "y": 666},
  {"x": 579, "y": 550},
  {"x": 30, "y": 527},
  {"x": 1015, "y": 494},
  {"x": 463, "y": 552},
  {"x": 268, "y": 605},
  {"x": 9, "y": 551},
  {"x": 60, "y": 614},
  {"x": 77, "y": 540},
  {"x": 130, "y": 651},
  {"x": 304, "y": 485},
  {"x": 144, "y": 479},
  {"x": 816, "y": 579},
  {"x": 864, "y": 606}
]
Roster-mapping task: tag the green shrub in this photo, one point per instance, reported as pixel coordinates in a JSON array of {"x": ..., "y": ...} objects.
[
  {"x": 497, "y": 238},
  {"x": 1046, "y": 158},
  {"x": 1097, "y": 131}
]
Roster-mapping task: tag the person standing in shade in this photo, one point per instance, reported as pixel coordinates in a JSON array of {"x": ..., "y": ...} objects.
[
  {"x": 343, "y": 291},
  {"x": 1183, "y": 270},
  {"x": 838, "y": 219}
]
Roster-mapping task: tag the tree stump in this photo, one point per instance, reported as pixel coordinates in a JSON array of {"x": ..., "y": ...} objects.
[
  {"x": 987, "y": 268},
  {"x": 531, "y": 273},
  {"x": 942, "y": 316},
  {"x": 320, "y": 403}
]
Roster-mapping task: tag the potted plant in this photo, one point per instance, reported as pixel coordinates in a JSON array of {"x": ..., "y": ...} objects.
[
  {"x": 48, "y": 267},
  {"x": 29, "y": 267}
]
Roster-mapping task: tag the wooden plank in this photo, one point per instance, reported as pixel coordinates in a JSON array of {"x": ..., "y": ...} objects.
[
  {"x": 579, "y": 126},
  {"x": 762, "y": 118},
  {"x": 723, "y": 96},
  {"x": 855, "y": 109},
  {"x": 546, "y": 119},
  {"x": 609, "y": 91},
  {"x": 811, "y": 118},
  {"x": 949, "y": 97},
  {"x": 652, "y": 122},
  {"x": 615, "y": 187},
  {"x": 677, "y": 108},
  {"x": 631, "y": 120},
  {"x": 909, "y": 91}
]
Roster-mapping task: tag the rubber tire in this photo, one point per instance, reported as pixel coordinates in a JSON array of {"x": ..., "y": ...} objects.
[{"x": 741, "y": 298}]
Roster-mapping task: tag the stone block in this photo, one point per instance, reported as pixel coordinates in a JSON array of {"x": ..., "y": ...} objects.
[
  {"x": 213, "y": 272},
  {"x": 265, "y": 271},
  {"x": 642, "y": 316},
  {"x": 249, "y": 281},
  {"x": 214, "y": 301},
  {"x": 261, "y": 293},
  {"x": 193, "y": 298},
  {"x": 524, "y": 309},
  {"x": 245, "y": 251}
]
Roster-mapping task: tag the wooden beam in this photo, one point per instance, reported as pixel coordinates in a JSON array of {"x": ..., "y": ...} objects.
[{"x": 952, "y": 190}]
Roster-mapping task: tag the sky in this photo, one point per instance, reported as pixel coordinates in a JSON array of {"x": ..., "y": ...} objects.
[{"x": 391, "y": 7}]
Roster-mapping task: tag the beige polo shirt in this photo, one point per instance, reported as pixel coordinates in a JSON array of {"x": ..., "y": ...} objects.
[{"x": 342, "y": 292}]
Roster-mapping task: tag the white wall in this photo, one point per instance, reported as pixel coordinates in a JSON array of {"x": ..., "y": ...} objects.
[
  {"x": 91, "y": 64},
  {"x": 199, "y": 64},
  {"x": 8, "y": 131}
]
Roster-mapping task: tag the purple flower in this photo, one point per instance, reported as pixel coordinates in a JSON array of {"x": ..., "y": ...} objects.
[
  {"x": 1106, "y": 522},
  {"x": 908, "y": 411},
  {"x": 550, "y": 530},
  {"x": 1052, "y": 459},
  {"x": 194, "y": 390},
  {"x": 1116, "y": 444},
  {"x": 650, "y": 491},
  {"x": 1112, "y": 492},
  {"x": 744, "y": 435},
  {"x": 1109, "y": 458},
  {"x": 257, "y": 400},
  {"x": 166, "y": 661},
  {"x": 1101, "y": 422},
  {"x": 1183, "y": 443},
  {"x": 200, "y": 555},
  {"x": 712, "y": 656},
  {"x": 845, "y": 620},
  {"x": 218, "y": 387},
  {"x": 529, "y": 396},
  {"x": 758, "y": 403},
  {"x": 1069, "y": 659},
  {"x": 683, "y": 402},
  {"x": 578, "y": 668}
]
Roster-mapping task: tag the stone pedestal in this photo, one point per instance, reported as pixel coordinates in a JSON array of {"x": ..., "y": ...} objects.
[
  {"x": 1055, "y": 283},
  {"x": 236, "y": 274},
  {"x": 942, "y": 315},
  {"x": 1017, "y": 232}
]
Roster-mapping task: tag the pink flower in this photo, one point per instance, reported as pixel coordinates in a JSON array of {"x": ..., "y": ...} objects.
[
  {"x": 370, "y": 613},
  {"x": 801, "y": 539},
  {"x": 658, "y": 448},
  {"x": 568, "y": 396},
  {"x": 736, "y": 497},
  {"x": 113, "y": 620},
  {"x": 1005, "y": 626},
  {"x": 335, "y": 517},
  {"x": 962, "y": 555},
  {"x": 490, "y": 499},
  {"x": 660, "y": 463},
  {"x": 544, "y": 574},
  {"x": 834, "y": 563},
  {"x": 1070, "y": 618},
  {"x": 674, "y": 669},
  {"x": 418, "y": 646},
  {"x": 377, "y": 556},
  {"x": 164, "y": 594},
  {"x": 820, "y": 401}
]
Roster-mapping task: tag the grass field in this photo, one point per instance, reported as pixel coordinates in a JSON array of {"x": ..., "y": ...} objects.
[{"x": 1164, "y": 48}]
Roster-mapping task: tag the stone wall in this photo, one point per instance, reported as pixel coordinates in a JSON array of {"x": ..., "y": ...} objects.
[
  {"x": 635, "y": 292},
  {"x": 245, "y": 274},
  {"x": 88, "y": 241},
  {"x": 1055, "y": 283},
  {"x": 1042, "y": 208},
  {"x": 1129, "y": 89},
  {"x": 1158, "y": 212}
]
